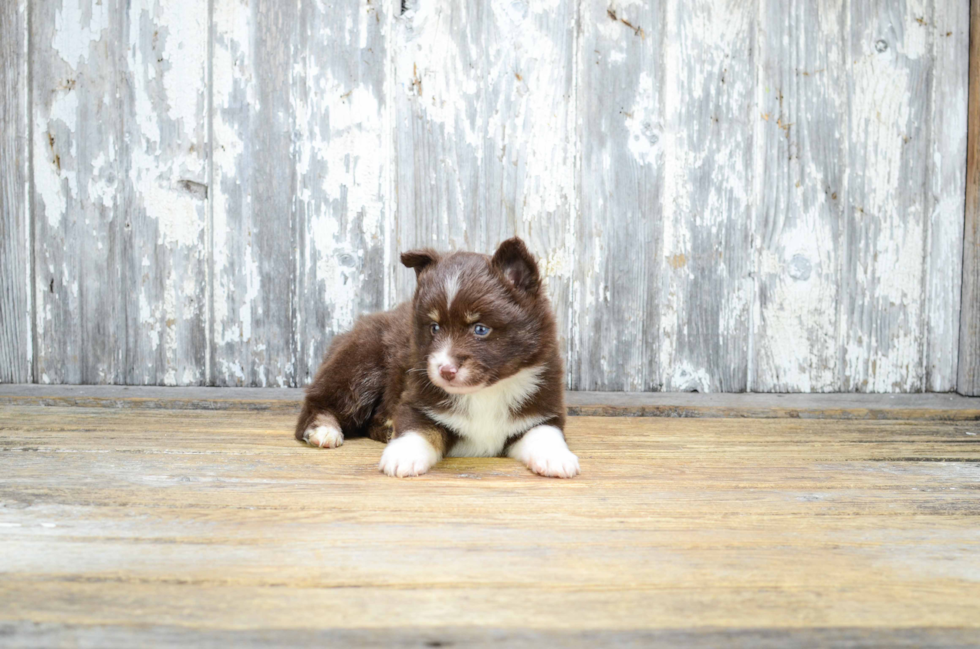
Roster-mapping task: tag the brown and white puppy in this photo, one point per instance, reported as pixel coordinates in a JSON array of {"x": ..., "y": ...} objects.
[{"x": 469, "y": 368}]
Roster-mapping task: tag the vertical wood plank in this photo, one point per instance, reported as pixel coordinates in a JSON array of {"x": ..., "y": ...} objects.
[
  {"x": 254, "y": 257},
  {"x": 16, "y": 343},
  {"x": 615, "y": 310},
  {"x": 300, "y": 182},
  {"x": 483, "y": 113},
  {"x": 706, "y": 287},
  {"x": 885, "y": 220},
  {"x": 945, "y": 192},
  {"x": 440, "y": 126},
  {"x": 529, "y": 156},
  {"x": 120, "y": 190},
  {"x": 968, "y": 379},
  {"x": 801, "y": 120},
  {"x": 338, "y": 108}
]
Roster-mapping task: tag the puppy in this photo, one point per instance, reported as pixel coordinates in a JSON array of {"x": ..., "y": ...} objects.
[{"x": 469, "y": 368}]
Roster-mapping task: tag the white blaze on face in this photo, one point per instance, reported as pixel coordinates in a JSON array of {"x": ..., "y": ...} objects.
[{"x": 452, "y": 288}]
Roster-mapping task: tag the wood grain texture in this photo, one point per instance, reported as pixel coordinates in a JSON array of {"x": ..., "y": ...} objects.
[
  {"x": 968, "y": 378},
  {"x": 29, "y": 635},
  {"x": 339, "y": 118},
  {"x": 300, "y": 182},
  {"x": 811, "y": 306},
  {"x": 16, "y": 313},
  {"x": 120, "y": 188},
  {"x": 254, "y": 227},
  {"x": 709, "y": 112},
  {"x": 885, "y": 221},
  {"x": 945, "y": 193},
  {"x": 799, "y": 189},
  {"x": 928, "y": 407},
  {"x": 617, "y": 255},
  {"x": 724, "y": 195},
  {"x": 143, "y": 524}
]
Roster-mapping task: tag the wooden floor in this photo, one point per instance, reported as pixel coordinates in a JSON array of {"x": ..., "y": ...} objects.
[{"x": 129, "y": 527}]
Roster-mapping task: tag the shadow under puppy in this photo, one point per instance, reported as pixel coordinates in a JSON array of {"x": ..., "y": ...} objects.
[{"x": 469, "y": 368}]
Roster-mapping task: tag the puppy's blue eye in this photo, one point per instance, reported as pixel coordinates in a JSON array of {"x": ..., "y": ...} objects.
[
  {"x": 434, "y": 328},
  {"x": 481, "y": 330}
]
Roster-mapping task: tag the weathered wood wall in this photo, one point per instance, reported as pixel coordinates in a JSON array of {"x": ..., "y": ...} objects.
[
  {"x": 969, "y": 358},
  {"x": 16, "y": 312},
  {"x": 726, "y": 195},
  {"x": 120, "y": 125}
]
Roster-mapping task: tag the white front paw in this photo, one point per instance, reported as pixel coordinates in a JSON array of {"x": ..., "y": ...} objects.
[
  {"x": 324, "y": 432},
  {"x": 544, "y": 451},
  {"x": 560, "y": 464},
  {"x": 408, "y": 455}
]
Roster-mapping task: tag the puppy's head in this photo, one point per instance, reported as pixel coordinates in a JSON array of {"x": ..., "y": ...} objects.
[{"x": 478, "y": 319}]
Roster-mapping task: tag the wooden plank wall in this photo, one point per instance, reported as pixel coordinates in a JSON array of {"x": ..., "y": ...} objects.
[
  {"x": 16, "y": 328},
  {"x": 120, "y": 127},
  {"x": 969, "y": 357},
  {"x": 726, "y": 195}
]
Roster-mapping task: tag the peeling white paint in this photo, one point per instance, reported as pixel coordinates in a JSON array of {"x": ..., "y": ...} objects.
[
  {"x": 799, "y": 315},
  {"x": 945, "y": 243},
  {"x": 54, "y": 144},
  {"x": 900, "y": 259},
  {"x": 48, "y": 181},
  {"x": 492, "y": 105},
  {"x": 342, "y": 173},
  {"x": 150, "y": 320},
  {"x": 685, "y": 377},
  {"x": 802, "y": 113},
  {"x": 178, "y": 215},
  {"x": 351, "y": 151},
  {"x": 917, "y": 29},
  {"x": 432, "y": 69},
  {"x": 103, "y": 186},
  {"x": 706, "y": 193},
  {"x": 880, "y": 106},
  {"x": 529, "y": 121},
  {"x": 229, "y": 76},
  {"x": 78, "y": 24},
  {"x": 253, "y": 283},
  {"x": 643, "y": 123},
  {"x": 185, "y": 55}
]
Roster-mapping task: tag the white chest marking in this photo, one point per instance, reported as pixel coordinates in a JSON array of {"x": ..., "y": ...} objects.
[{"x": 484, "y": 420}]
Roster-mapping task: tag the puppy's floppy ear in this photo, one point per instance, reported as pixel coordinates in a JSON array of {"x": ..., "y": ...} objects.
[
  {"x": 420, "y": 259},
  {"x": 515, "y": 261}
]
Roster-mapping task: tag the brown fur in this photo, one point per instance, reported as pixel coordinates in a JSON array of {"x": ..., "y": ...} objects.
[{"x": 374, "y": 379}]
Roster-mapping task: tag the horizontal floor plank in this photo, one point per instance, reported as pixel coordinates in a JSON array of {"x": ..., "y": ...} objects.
[
  {"x": 929, "y": 406},
  {"x": 31, "y": 635}
]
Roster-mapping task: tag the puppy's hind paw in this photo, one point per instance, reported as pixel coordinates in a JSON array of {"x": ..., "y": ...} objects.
[{"x": 324, "y": 432}]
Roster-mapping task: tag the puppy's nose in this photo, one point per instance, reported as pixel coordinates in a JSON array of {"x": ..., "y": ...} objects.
[{"x": 448, "y": 372}]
